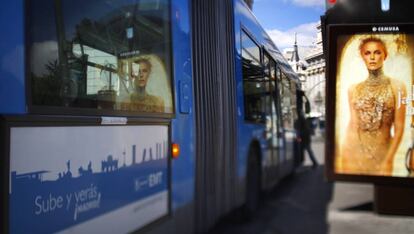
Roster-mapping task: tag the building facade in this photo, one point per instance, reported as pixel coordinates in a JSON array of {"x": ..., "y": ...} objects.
[
  {"x": 309, "y": 64},
  {"x": 299, "y": 65},
  {"x": 314, "y": 84}
]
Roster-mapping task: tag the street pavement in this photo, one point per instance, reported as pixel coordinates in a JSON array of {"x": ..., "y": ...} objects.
[{"x": 307, "y": 203}]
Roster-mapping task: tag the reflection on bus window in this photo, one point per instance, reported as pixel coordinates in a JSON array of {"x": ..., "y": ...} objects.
[
  {"x": 145, "y": 85},
  {"x": 273, "y": 122},
  {"x": 288, "y": 102},
  {"x": 82, "y": 54},
  {"x": 254, "y": 83}
]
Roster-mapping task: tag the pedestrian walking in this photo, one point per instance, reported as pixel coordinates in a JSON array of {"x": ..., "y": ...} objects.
[{"x": 305, "y": 132}]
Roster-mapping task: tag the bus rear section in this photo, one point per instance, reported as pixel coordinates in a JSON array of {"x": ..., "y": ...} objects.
[{"x": 97, "y": 94}]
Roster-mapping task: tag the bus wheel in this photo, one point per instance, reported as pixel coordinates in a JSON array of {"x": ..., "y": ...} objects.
[{"x": 252, "y": 185}]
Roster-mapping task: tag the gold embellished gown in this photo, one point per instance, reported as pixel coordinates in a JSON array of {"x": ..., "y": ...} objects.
[
  {"x": 147, "y": 103},
  {"x": 367, "y": 140}
]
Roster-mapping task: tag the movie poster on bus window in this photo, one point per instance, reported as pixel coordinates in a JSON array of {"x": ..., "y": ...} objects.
[
  {"x": 95, "y": 179},
  {"x": 374, "y": 105},
  {"x": 146, "y": 87}
]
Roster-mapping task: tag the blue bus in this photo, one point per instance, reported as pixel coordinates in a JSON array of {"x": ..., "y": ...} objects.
[{"x": 140, "y": 116}]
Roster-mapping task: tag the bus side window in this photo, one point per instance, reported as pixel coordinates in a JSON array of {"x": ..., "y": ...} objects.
[
  {"x": 254, "y": 84},
  {"x": 100, "y": 55}
]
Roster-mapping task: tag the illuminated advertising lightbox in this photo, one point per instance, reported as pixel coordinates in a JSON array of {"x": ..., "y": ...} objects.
[
  {"x": 370, "y": 74},
  {"x": 87, "y": 179}
]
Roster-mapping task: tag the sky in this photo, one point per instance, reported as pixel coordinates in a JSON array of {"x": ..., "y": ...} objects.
[{"x": 282, "y": 18}]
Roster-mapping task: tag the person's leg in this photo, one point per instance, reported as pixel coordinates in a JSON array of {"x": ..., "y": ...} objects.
[{"x": 311, "y": 155}]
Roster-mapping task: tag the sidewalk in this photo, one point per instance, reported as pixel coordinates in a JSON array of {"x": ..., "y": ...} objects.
[
  {"x": 351, "y": 208},
  {"x": 351, "y": 211}
]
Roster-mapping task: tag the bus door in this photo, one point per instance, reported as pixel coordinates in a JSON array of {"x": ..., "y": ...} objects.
[
  {"x": 278, "y": 141},
  {"x": 287, "y": 94},
  {"x": 273, "y": 135}
]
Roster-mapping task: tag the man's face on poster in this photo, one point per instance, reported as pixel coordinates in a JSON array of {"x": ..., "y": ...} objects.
[
  {"x": 140, "y": 72},
  {"x": 373, "y": 53}
]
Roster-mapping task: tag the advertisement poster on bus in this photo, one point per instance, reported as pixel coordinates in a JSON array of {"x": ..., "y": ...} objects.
[
  {"x": 146, "y": 87},
  {"x": 88, "y": 179},
  {"x": 374, "y": 103}
]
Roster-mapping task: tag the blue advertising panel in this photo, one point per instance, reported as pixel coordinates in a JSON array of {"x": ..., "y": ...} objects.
[{"x": 89, "y": 179}]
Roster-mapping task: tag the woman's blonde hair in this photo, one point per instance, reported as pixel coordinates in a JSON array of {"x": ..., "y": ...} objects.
[{"x": 373, "y": 39}]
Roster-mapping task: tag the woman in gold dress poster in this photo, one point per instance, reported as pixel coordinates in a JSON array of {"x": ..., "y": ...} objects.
[{"x": 373, "y": 110}]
